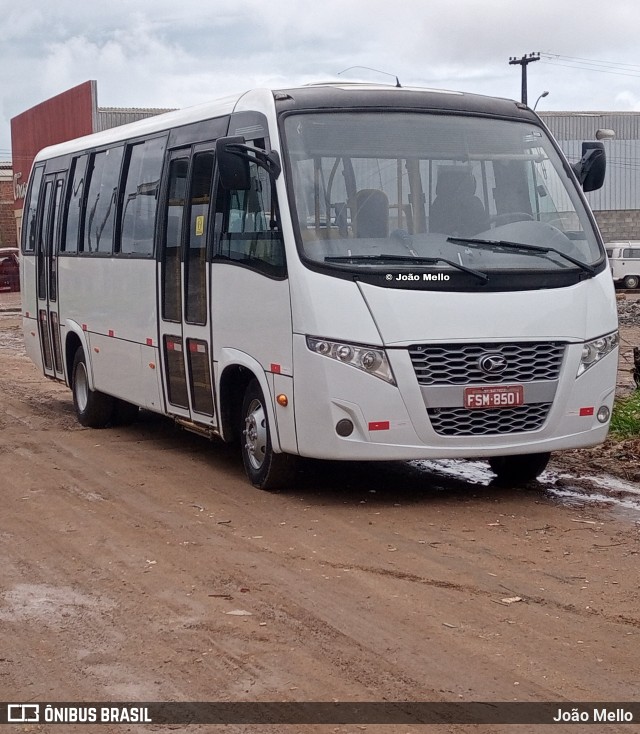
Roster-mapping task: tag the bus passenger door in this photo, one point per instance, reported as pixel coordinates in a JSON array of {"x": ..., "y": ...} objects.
[
  {"x": 47, "y": 276},
  {"x": 185, "y": 323}
]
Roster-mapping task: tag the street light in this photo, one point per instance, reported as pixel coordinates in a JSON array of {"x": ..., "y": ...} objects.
[{"x": 544, "y": 94}]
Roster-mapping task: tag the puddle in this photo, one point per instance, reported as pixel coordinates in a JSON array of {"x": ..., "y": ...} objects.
[
  {"x": 596, "y": 489},
  {"x": 569, "y": 489}
]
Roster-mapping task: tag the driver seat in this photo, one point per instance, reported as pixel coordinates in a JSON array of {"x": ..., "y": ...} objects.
[
  {"x": 371, "y": 214},
  {"x": 456, "y": 210}
]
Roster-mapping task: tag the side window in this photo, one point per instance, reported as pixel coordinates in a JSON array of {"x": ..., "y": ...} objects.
[
  {"x": 171, "y": 297},
  {"x": 73, "y": 210},
  {"x": 140, "y": 198},
  {"x": 195, "y": 262},
  {"x": 251, "y": 233},
  {"x": 101, "y": 200},
  {"x": 42, "y": 239},
  {"x": 30, "y": 226},
  {"x": 54, "y": 244}
]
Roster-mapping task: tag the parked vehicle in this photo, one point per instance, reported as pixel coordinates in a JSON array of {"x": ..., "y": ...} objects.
[
  {"x": 349, "y": 272},
  {"x": 9, "y": 269},
  {"x": 624, "y": 258}
]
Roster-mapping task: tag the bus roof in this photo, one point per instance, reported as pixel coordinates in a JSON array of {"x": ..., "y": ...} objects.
[{"x": 325, "y": 95}]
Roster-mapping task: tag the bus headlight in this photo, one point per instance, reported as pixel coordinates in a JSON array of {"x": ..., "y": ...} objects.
[
  {"x": 596, "y": 349},
  {"x": 371, "y": 360}
]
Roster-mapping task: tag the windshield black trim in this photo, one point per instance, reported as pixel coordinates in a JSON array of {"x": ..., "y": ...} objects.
[{"x": 455, "y": 281}]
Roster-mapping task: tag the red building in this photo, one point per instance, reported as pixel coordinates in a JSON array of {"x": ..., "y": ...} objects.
[
  {"x": 68, "y": 115},
  {"x": 7, "y": 220}
]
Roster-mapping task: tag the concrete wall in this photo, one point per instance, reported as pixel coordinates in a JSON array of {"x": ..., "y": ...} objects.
[{"x": 619, "y": 224}]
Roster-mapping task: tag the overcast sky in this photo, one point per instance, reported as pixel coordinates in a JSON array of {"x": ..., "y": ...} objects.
[{"x": 168, "y": 53}]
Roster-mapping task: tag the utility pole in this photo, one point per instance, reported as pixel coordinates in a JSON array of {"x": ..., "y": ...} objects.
[{"x": 523, "y": 62}]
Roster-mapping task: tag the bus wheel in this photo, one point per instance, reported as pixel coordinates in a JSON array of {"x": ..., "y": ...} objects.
[
  {"x": 93, "y": 409},
  {"x": 631, "y": 281},
  {"x": 519, "y": 469},
  {"x": 266, "y": 469}
]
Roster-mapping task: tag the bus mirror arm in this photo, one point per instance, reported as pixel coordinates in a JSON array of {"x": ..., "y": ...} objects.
[
  {"x": 267, "y": 160},
  {"x": 590, "y": 169},
  {"x": 234, "y": 156}
]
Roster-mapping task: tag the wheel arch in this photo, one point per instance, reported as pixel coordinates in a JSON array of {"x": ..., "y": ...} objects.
[
  {"x": 76, "y": 338},
  {"x": 236, "y": 370}
]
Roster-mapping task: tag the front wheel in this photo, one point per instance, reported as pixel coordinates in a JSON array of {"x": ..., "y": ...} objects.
[
  {"x": 93, "y": 408},
  {"x": 519, "y": 469},
  {"x": 631, "y": 281},
  {"x": 266, "y": 469}
]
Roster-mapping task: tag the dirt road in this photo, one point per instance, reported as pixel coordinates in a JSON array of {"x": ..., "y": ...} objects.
[{"x": 139, "y": 564}]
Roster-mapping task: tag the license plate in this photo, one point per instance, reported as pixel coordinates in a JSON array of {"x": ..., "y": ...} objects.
[{"x": 504, "y": 396}]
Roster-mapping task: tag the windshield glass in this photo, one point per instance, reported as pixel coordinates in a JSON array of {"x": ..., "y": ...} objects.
[{"x": 373, "y": 184}]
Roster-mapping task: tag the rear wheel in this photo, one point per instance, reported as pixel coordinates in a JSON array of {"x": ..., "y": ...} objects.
[
  {"x": 93, "y": 408},
  {"x": 519, "y": 469},
  {"x": 631, "y": 281},
  {"x": 266, "y": 469}
]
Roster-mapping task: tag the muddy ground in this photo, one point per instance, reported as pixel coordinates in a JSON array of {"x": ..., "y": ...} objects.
[{"x": 138, "y": 564}]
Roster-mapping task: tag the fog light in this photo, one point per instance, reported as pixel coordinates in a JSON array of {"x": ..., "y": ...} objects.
[
  {"x": 603, "y": 414},
  {"x": 344, "y": 427}
]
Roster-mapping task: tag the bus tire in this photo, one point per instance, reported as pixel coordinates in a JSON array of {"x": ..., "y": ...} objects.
[
  {"x": 93, "y": 408},
  {"x": 266, "y": 469},
  {"x": 631, "y": 281},
  {"x": 519, "y": 469}
]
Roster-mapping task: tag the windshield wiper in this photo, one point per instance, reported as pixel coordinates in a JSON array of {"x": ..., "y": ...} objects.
[
  {"x": 521, "y": 247},
  {"x": 407, "y": 259}
]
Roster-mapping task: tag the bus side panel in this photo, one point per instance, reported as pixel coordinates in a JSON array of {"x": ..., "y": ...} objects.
[
  {"x": 30, "y": 309},
  {"x": 115, "y": 302},
  {"x": 252, "y": 314},
  {"x": 32, "y": 341}
]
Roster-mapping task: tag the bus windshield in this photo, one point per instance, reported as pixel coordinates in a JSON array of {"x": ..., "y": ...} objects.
[{"x": 412, "y": 185}]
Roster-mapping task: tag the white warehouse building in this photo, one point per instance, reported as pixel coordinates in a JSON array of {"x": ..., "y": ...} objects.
[{"x": 617, "y": 204}]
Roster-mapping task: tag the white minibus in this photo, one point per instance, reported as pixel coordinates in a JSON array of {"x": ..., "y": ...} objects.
[
  {"x": 345, "y": 272},
  {"x": 624, "y": 259}
]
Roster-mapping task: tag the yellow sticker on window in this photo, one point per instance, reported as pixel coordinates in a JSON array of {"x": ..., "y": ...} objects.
[{"x": 199, "y": 225}]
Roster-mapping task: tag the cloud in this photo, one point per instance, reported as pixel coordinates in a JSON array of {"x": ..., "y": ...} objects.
[{"x": 157, "y": 53}]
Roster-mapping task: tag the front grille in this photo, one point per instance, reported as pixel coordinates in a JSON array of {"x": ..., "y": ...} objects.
[
  {"x": 458, "y": 364},
  {"x": 465, "y": 422}
]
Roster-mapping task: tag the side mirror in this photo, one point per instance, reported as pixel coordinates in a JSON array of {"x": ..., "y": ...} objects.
[
  {"x": 591, "y": 168},
  {"x": 233, "y": 165}
]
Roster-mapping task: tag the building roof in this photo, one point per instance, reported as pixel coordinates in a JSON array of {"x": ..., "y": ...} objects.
[{"x": 109, "y": 117}]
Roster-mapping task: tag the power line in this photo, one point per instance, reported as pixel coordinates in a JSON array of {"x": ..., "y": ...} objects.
[
  {"x": 587, "y": 68},
  {"x": 601, "y": 67},
  {"x": 597, "y": 62}
]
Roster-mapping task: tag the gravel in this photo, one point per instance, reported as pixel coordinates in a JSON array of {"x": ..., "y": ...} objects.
[{"x": 629, "y": 310}]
